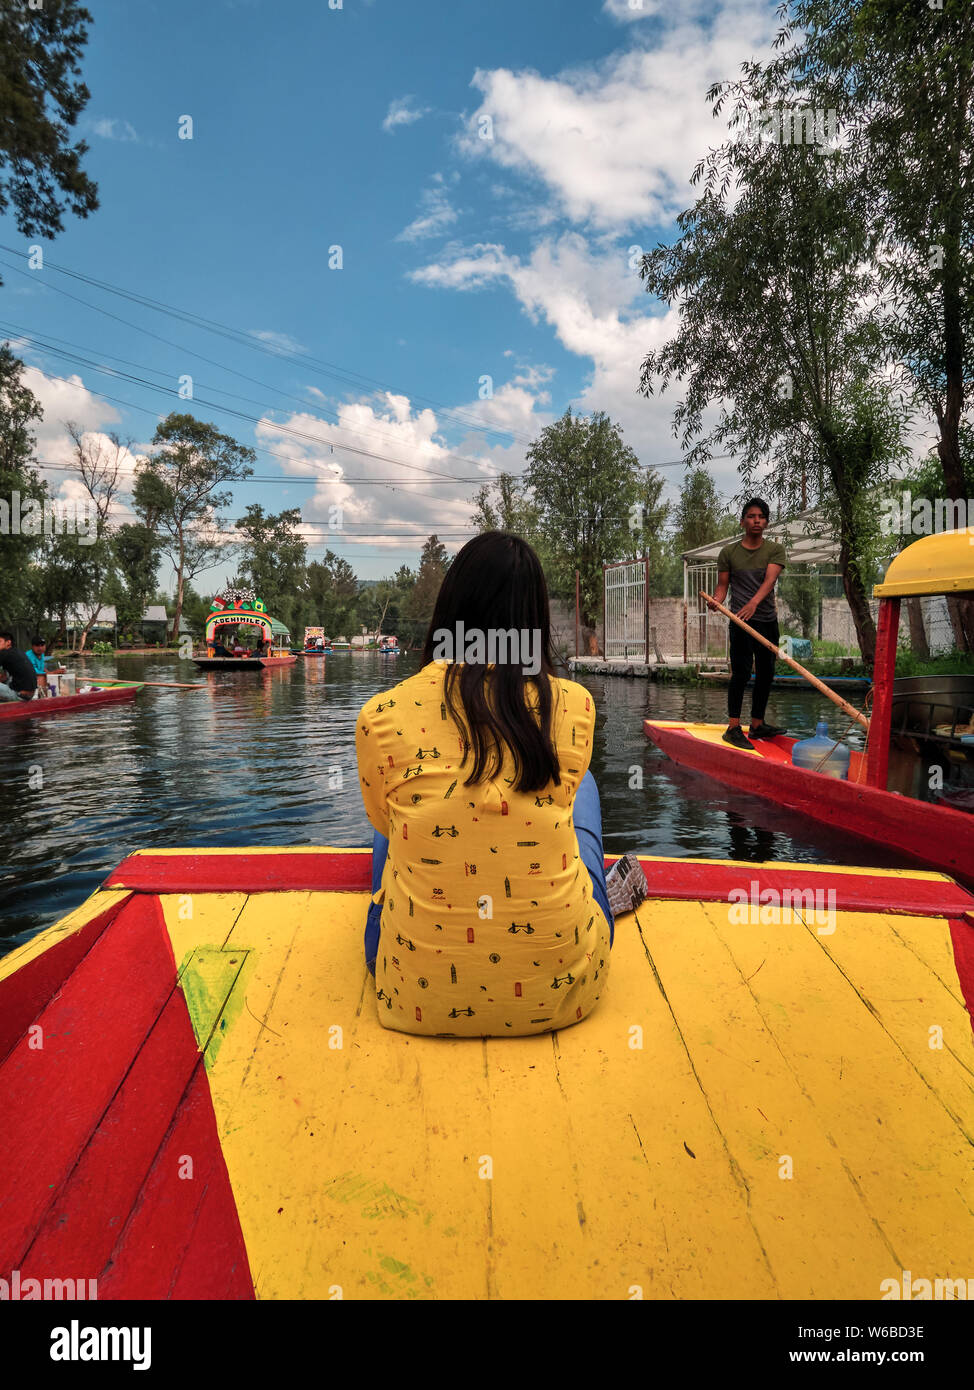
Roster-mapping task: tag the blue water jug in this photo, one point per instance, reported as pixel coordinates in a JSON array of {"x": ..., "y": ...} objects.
[{"x": 818, "y": 755}]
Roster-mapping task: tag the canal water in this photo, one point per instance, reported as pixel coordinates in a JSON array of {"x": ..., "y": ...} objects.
[{"x": 268, "y": 758}]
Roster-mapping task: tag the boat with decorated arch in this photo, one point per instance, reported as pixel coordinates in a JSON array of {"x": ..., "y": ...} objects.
[{"x": 231, "y": 611}]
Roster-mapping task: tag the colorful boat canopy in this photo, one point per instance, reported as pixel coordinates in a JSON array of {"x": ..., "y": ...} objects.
[
  {"x": 241, "y": 608},
  {"x": 938, "y": 564}
]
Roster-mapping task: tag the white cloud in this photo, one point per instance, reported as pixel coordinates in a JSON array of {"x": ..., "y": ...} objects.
[
  {"x": 599, "y": 311},
  {"x": 111, "y": 128},
  {"x": 627, "y": 11},
  {"x": 615, "y": 143},
  {"x": 437, "y": 214},
  {"x": 402, "y": 112},
  {"x": 411, "y": 441},
  {"x": 70, "y": 399},
  {"x": 277, "y": 340}
]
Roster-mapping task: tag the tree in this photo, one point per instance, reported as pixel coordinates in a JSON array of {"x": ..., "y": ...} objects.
[
  {"x": 383, "y": 605},
  {"x": 698, "y": 512},
  {"x": 329, "y": 593},
  {"x": 587, "y": 486},
  {"x": 135, "y": 554},
  {"x": 273, "y": 558},
  {"x": 176, "y": 492},
  {"x": 99, "y": 466},
  {"x": 433, "y": 565},
  {"x": 801, "y": 589},
  {"x": 20, "y": 485},
  {"x": 40, "y": 172},
  {"x": 503, "y": 505},
  {"x": 901, "y": 77},
  {"x": 773, "y": 278}
]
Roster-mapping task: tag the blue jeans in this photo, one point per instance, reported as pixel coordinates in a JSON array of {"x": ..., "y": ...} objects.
[{"x": 587, "y": 816}]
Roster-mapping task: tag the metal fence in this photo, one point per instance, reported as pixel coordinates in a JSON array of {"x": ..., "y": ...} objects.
[
  {"x": 706, "y": 632},
  {"x": 626, "y": 613}
]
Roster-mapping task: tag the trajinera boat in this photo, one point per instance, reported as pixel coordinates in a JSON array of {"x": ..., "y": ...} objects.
[
  {"x": 200, "y": 1102},
  {"x": 234, "y": 609},
  {"x": 931, "y": 832},
  {"x": 77, "y": 701}
]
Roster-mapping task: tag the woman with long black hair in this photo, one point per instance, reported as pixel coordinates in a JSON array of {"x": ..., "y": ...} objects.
[{"x": 489, "y": 913}]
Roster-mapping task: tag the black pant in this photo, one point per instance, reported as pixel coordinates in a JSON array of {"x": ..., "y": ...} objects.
[{"x": 744, "y": 652}]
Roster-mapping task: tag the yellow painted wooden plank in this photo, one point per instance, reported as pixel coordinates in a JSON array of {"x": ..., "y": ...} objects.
[
  {"x": 908, "y": 1159},
  {"x": 199, "y": 919},
  {"x": 927, "y": 1020},
  {"x": 358, "y": 1156},
  {"x": 760, "y": 1104},
  {"x": 357, "y": 1163},
  {"x": 666, "y": 1211},
  {"x": 67, "y": 926}
]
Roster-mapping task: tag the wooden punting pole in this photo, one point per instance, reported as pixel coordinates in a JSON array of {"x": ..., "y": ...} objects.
[{"x": 783, "y": 656}]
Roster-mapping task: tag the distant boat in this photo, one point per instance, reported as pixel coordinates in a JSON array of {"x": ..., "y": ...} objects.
[
  {"x": 63, "y": 704},
  {"x": 241, "y": 608},
  {"x": 786, "y": 682}
]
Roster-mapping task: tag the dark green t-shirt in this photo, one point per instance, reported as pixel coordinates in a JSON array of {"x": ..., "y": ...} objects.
[{"x": 748, "y": 569}]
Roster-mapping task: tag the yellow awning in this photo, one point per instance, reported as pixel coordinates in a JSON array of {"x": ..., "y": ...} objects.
[{"x": 939, "y": 564}]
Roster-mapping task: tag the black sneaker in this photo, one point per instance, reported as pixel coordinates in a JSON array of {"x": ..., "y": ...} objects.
[
  {"x": 735, "y": 737},
  {"x": 765, "y": 731}
]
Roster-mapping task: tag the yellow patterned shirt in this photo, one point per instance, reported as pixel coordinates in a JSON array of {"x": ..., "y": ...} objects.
[{"x": 489, "y": 924}]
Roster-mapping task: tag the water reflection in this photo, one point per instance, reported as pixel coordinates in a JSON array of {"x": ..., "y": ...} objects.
[{"x": 268, "y": 757}]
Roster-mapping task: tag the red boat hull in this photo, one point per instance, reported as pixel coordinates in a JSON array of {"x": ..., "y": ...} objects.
[
  {"x": 935, "y": 836},
  {"x": 62, "y": 704}
]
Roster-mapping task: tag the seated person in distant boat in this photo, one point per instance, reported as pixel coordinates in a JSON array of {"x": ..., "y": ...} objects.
[
  {"x": 219, "y": 647},
  {"x": 20, "y": 681},
  {"x": 750, "y": 568},
  {"x": 239, "y": 649},
  {"x": 489, "y": 915},
  {"x": 38, "y": 659},
  {"x": 259, "y": 648}
]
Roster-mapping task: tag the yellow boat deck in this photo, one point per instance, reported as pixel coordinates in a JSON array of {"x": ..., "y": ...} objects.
[{"x": 776, "y": 1110}]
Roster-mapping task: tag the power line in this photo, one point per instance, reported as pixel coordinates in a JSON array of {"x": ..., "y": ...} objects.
[
  {"x": 247, "y": 340},
  {"x": 323, "y": 410},
  {"x": 327, "y": 369}
]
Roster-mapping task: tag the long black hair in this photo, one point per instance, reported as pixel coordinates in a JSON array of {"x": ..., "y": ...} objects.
[{"x": 496, "y": 584}]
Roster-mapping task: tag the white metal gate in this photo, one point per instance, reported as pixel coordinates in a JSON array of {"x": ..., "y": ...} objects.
[
  {"x": 706, "y": 632},
  {"x": 626, "y": 614}
]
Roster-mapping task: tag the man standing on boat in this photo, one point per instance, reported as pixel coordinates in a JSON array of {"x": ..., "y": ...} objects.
[{"x": 750, "y": 567}]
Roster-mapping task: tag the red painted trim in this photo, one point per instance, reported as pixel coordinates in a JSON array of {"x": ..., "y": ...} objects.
[
  {"x": 884, "y": 670},
  {"x": 52, "y": 1097},
  {"x": 962, "y": 939},
  {"x": 935, "y": 836},
  {"x": 673, "y": 879},
  {"x": 183, "y": 1239},
  {"x": 96, "y": 1126},
  {"x": 244, "y": 873},
  {"x": 683, "y": 881},
  {"x": 28, "y": 990},
  {"x": 61, "y": 704}
]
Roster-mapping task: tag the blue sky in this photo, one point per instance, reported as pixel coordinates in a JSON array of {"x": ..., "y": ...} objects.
[{"x": 485, "y": 170}]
